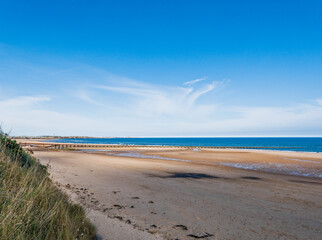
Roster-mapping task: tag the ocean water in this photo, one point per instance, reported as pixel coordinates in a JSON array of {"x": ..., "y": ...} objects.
[{"x": 303, "y": 144}]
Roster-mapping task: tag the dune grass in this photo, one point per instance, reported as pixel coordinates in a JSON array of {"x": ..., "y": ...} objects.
[{"x": 31, "y": 206}]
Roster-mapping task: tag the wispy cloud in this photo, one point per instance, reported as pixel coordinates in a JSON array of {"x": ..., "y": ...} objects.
[
  {"x": 198, "y": 93},
  {"x": 27, "y": 115},
  {"x": 150, "y": 100},
  {"x": 130, "y": 90},
  {"x": 120, "y": 106},
  {"x": 155, "y": 110},
  {"x": 23, "y": 101},
  {"x": 195, "y": 81},
  {"x": 178, "y": 111},
  {"x": 85, "y": 96}
]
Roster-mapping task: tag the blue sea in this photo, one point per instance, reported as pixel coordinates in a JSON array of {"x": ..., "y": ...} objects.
[{"x": 303, "y": 144}]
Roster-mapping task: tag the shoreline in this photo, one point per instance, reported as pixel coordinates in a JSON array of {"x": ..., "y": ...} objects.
[
  {"x": 307, "y": 164},
  {"x": 93, "y": 145},
  {"x": 270, "y": 146}
]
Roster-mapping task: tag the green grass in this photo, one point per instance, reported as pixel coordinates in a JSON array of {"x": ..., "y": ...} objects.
[{"x": 31, "y": 206}]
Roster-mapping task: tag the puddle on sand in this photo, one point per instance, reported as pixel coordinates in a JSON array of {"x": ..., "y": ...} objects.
[
  {"x": 290, "y": 169},
  {"x": 140, "y": 155},
  {"x": 302, "y": 160},
  {"x": 134, "y": 155}
]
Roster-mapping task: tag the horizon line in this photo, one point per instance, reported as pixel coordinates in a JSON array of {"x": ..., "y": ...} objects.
[{"x": 236, "y": 136}]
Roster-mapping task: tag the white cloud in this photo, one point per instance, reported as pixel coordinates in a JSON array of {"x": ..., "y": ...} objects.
[
  {"x": 198, "y": 93},
  {"x": 24, "y": 115},
  {"x": 85, "y": 96},
  {"x": 23, "y": 101},
  {"x": 126, "y": 107},
  {"x": 194, "y": 81},
  {"x": 164, "y": 101},
  {"x": 129, "y": 90},
  {"x": 131, "y": 108}
]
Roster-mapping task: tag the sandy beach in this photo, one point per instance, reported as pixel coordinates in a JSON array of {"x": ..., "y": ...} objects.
[{"x": 187, "y": 193}]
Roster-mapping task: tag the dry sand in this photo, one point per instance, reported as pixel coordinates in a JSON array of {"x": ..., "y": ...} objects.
[{"x": 141, "y": 198}]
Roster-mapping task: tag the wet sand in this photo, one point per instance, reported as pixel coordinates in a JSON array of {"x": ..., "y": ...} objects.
[{"x": 199, "y": 198}]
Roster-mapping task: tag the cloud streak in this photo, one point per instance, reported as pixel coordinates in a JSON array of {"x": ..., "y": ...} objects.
[
  {"x": 159, "y": 101},
  {"x": 114, "y": 105},
  {"x": 23, "y": 101},
  {"x": 194, "y": 81},
  {"x": 85, "y": 96}
]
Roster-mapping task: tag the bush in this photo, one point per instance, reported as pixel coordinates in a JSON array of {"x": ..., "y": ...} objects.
[
  {"x": 16, "y": 152},
  {"x": 31, "y": 206}
]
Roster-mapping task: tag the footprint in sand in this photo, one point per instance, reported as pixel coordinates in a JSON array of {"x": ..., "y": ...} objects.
[
  {"x": 183, "y": 227},
  {"x": 118, "y": 206},
  {"x": 201, "y": 235}
]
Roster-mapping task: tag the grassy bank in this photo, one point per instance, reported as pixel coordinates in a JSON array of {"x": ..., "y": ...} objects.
[{"x": 31, "y": 206}]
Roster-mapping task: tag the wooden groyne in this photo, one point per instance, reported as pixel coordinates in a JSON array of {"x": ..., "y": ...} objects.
[{"x": 77, "y": 146}]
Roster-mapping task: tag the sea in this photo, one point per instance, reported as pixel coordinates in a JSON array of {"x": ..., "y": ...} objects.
[{"x": 301, "y": 144}]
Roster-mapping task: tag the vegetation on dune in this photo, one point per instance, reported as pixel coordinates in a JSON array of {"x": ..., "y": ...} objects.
[{"x": 31, "y": 206}]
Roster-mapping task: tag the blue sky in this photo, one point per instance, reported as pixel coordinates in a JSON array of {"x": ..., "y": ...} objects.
[{"x": 161, "y": 68}]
